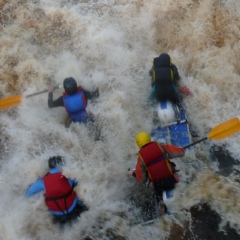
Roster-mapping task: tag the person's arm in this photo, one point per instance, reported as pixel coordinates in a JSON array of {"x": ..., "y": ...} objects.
[
  {"x": 153, "y": 93},
  {"x": 35, "y": 188},
  {"x": 151, "y": 71},
  {"x": 56, "y": 103},
  {"x": 175, "y": 73},
  {"x": 172, "y": 151},
  {"x": 73, "y": 182},
  {"x": 140, "y": 172},
  {"x": 90, "y": 95},
  {"x": 144, "y": 173}
]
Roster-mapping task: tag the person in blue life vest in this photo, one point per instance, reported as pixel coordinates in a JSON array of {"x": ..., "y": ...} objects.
[
  {"x": 59, "y": 194},
  {"x": 153, "y": 165},
  {"x": 165, "y": 80},
  {"x": 74, "y": 100}
]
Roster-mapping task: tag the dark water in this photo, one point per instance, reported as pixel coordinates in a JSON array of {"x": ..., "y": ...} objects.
[
  {"x": 204, "y": 226},
  {"x": 205, "y": 221}
]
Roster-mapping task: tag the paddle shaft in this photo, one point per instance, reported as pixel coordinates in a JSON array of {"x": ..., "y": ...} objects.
[
  {"x": 34, "y": 94},
  {"x": 194, "y": 143},
  {"x": 221, "y": 131},
  {"x": 43, "y": 91}
]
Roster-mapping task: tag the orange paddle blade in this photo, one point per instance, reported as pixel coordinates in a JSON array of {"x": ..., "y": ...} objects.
[
  {"x": 225, "y": 129},
  {"x": 10, "y": 102}
]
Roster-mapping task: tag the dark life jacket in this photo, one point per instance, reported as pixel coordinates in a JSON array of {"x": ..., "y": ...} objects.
[
  {"x": 164, "y": 85},
  {"x": 163, "y": 61}
]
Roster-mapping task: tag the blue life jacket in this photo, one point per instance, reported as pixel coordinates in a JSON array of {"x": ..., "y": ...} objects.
[{"x": 75, "y": 105}]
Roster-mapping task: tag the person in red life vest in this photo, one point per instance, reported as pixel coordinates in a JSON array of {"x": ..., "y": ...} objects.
[
  {"x": 59, "y": 194},
  {"x": 74, "y": 100},
  {"x": 153, "y": 165}
]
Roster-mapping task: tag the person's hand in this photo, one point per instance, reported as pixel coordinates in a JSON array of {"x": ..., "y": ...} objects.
[
  {"x": 75, "y": 183},
  {"x": 130, "y": 172},
  {"x": 185, "y": 90},
  {"x": 51, "y": 89}
]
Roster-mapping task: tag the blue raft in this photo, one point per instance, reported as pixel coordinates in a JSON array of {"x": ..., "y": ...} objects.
[{"x": 173, "y": 127}]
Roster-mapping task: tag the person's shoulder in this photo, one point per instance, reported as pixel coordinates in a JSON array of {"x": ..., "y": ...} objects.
[{"x": 173, "y": 66}]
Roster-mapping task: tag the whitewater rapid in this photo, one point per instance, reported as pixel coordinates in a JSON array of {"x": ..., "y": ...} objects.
[{"x": 110, "y": 45}]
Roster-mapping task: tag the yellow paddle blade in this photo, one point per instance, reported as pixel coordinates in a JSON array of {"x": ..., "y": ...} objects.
[
  {"x": 10, "y": 102},
  {"x": 225, "y": 129}
]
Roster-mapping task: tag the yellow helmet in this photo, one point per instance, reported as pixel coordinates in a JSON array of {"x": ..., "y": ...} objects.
[{"x": 142, "y": 138}]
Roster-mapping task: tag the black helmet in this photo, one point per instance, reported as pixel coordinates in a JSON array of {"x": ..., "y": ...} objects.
[
  {"x": 55, "y": 161},
  {"x": 165, "y": 60},
  {"x": 70, "y": 85}
]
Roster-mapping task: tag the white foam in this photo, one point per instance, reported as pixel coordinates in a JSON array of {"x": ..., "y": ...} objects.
[{"x": 110, "y": 44}]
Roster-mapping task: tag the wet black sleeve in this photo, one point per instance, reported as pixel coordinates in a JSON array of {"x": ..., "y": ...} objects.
[
  {"x": 90, "y": 95},
  {"x": 175, "y": 73},
  {"x": 57, "y": 103}
]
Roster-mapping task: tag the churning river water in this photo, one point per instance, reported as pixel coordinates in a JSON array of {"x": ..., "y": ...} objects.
[{"x": 110, "y": 44}]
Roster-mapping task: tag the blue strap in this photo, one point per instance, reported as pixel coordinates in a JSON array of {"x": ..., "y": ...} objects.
[{"x": 155, "y": 161}]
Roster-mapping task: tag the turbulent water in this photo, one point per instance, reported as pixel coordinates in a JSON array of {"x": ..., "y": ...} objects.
[{"x": 110, "y": 45}]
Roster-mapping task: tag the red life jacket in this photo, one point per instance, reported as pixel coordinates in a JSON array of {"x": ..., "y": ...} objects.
[
  {"x": 157, "y": 164},
  {"x": 59, "y": 194}
]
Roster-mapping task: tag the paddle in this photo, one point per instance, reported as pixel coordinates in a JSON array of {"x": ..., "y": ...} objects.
[
  {"x": 16, "y": 100},
  {"x": 221, "y": 131}
]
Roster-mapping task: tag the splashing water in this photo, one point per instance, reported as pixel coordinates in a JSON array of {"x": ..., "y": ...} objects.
[{"x": 110, "y": 45}]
